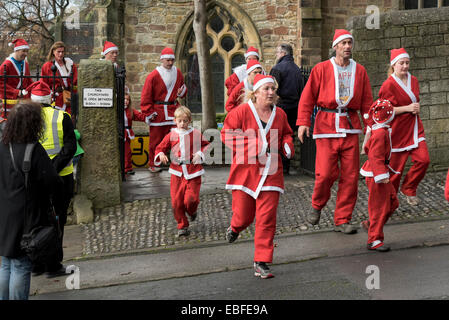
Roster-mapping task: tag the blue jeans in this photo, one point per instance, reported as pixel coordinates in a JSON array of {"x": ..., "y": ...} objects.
[{"x": 15, "y": 278}]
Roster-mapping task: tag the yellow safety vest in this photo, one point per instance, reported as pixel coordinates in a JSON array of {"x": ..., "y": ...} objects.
[{"x": 53, "y": 138}]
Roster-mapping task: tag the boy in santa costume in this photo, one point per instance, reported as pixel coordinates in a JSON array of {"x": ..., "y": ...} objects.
[
  {"x": 187, "y": 147},
  {"x": 257, "y": 132},
  {"x": 382, "y": 201},
  {"x": 159, "y": 100},
  {"x": 339, "y": 87},
  {"x": 130, "y": 114},
  {"x": 237, "y": 96},
  {"x": 15, "y": 65},
  {"x": 240, "y": 72}
]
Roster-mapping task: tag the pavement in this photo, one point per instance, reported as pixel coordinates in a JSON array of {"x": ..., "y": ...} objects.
[{"x": 136, "y": 241}]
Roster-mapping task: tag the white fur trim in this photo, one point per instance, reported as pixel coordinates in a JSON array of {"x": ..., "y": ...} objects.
[
  {"x": 167, "y": 56},
  {"x": 251, "y": 53},
  {"x": 21, "y": 47},
  {"x": 248, "y": 71},
  {"x": 288, "y": 152},
  {"x": 402, "y": 55},
  {"x": 381, "y": 177},
  {"x": 109, "y": 50},
  {"x": 41, "y": 99},
  {"x": 262, "y": 82}
]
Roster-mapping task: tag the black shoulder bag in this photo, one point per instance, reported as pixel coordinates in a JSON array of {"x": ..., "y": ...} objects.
[{"x": 41, "y": 242}]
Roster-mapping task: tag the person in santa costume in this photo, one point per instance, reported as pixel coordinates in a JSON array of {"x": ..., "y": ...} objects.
[
  {"x": 159, "y": 100},
  {"x": 257, "y": 132},
  {"x": 15, "y": 65},
  {"x": 238, "y": 94},
  {"x": 110, "y": 53},
  {"x": 187, "y": 147},
  {"x": 408, "y": 138},
  {"x": 446, "y": 190},
  {"x": 64, "y": 66},
  {"x": 382, "y": 200},
  {"x": 130, "y": 114},
  {"x": 339, "y": 87},
  {"x": 240, "y": 73}
]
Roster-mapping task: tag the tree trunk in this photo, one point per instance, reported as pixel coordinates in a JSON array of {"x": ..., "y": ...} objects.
[{"x": 203, "y": 51}]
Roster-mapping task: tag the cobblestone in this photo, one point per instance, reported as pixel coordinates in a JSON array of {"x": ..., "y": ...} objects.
[{"x": 144, "y": 224}]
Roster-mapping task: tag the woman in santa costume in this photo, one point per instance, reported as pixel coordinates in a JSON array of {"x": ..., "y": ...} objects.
[
  {"x": 239, "y": 73},
  {"x": 15, "y": 65},
  {"x": 257, "y": 132},
  {"x": 382, "y": 200},
  {"x": 130, "y": 114},
  {"x": 339, "y": 87},
  {"x": 239, "y": 92},
  {"x": 408, "y": 138},
  {"x": 159, "y": 100},
  {"x": 187, "y": 147},
  {"x": 64, "y": 66}
]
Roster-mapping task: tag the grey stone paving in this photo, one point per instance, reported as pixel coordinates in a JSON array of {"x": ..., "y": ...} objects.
[{"x": 144, "y": 224}]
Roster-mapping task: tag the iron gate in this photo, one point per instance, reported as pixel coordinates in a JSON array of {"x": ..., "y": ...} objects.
[{"x": 120, "y": 76}]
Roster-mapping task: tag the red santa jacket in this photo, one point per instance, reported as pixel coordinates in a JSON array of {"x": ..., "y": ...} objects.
[
  {"x": 407, "y": 128},
  {"x": 256, "y": 161},
  {"x": 129, "y": 117},
  {"x": 61, "y": 83},
  {"x": 237, "y": 95},
  {"x": 235, "y": 78},
  {"x": 378, "y": 149},
  {"x": 184, "y": 144},
  {"x": 322, "y": 90},
  {"x": 446, "y": 191},
  {"x": 13, "y": 85},
  {"x": 157, "y": 90}
]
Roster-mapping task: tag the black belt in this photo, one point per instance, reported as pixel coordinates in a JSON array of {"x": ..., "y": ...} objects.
[
  {"x": 165, "y": 102},
  {"x": 128, "y": 127},
  {"x": 347, "y": 110}
]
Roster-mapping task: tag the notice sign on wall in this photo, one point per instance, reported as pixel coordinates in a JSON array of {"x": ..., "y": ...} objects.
[{"x": 98, "y": 97}]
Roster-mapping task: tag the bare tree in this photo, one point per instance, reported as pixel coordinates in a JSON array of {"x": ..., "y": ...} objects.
[{"x": 202, "y": 47}]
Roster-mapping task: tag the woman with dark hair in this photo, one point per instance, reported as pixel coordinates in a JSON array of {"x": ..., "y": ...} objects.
[
  {"x": 64, "y": 66},
  {"x": 22, "y": 208}
]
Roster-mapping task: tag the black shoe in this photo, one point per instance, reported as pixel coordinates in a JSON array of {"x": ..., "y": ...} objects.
[
  {"x": 261, "y": 270},
  {"x": 183, "y": 232},
  {"x": 378, "y": 246},
  {"x": 58, "y": 273},
  {"x": 231, "y": 236},
  {"x": 37, "y": 271},
  {"x": 313, "y": 216},
  {"x": 193, "y": 217},
  {"x": 346, "y": 228}
]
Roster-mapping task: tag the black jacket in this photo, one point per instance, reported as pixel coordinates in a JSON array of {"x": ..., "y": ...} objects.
[
  {"x": 290, "y": 81},
  {"x": 43, "y": 181}
]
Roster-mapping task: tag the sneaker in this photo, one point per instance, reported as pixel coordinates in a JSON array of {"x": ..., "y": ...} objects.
[
  {"x": 313, "y": 216},
  {"x": 364, "y": 225},
  {"x": 378, "y": 246},
  {"x": 261, "y": 270},
  {"x": 154, "y": 169},
  {"x": 346, "y": 228},
  {"x": 231, "y": 236},
  {"x": 193, "y": 217},
  {"x": 183, "y": 232},
  {"x": 411, "y": 200}
]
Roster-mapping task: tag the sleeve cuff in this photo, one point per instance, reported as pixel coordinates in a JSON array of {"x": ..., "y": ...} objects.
[
  {"x": 183, "y": 92},
  {"x": 156, "y": 157},
  {"x": 148, "y": 118},
  {"x": 381, "y": 177},
  {"x": 288, "y": 151},
  {"x": 201, "y": 154}
]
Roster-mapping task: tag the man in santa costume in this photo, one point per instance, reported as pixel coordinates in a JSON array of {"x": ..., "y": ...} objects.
[
  {"x": 15, "y": 65},
  {"x": 240, "y": 72},
  {"x": 110, "y": 53},
  {"x": 446, "y": 190},
  {"x": 237, "y": 96},
  {"x": 339, "y": 87},
  {"x": 382, "y": 200},
  {"x": 159, "y": 100}
]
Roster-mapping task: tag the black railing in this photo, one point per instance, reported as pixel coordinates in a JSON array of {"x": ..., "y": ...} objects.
[{"x": 120, "y": 76}]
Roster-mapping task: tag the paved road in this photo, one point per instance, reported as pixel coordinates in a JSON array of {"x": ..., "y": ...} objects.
[{"x": 415, "y": 273}]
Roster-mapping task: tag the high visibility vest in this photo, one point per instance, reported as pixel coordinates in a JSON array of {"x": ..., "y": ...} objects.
[{"x": 53, "y": 138}]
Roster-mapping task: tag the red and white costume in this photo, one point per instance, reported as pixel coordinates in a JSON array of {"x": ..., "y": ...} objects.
[
  {"x": 256, "y": 175},
  {"x": 129, "y": 116},
  {"x": 239, "y": 73},
  {"x": 161, "y": 86},
  {"x": 14, "y": 86},
  {"x": 185, "y": 180},
  {"x": 63, "y": 83},
  {"x": 446, "y": 190},
  {"x": 335, "y": 139},
  {"x": 382, "y": 200},
  {"x": 408, "y": 138}
]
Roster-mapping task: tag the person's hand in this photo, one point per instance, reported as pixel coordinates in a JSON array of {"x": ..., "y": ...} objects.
[
  {"x": 414, "y": 108},
  {"x": 386, "y": 180},
  {"x": 196, "y": 159},
  {"x": 164, "y": 158},
  {"x": 301, "y": 131}
]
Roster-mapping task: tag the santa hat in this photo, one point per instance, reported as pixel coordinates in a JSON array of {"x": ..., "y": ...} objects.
[
  {"x": 340, "y": 35},
  {"x": 108, "y": 47},
  {"x": 19, "y": 44},
  {"x": 251, "y": 65},
  {"x": 397, "y": 54},
  {"x": 260, "y": 80},
  {"x": 381, "y": 112},
  {"x": 252, "y": 52},
  {"x": 40, "y": 92},
  {"x": 167, "y": 53}
]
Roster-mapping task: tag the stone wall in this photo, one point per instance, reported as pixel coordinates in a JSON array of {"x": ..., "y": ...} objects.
[{"x": 425, "y": 35}]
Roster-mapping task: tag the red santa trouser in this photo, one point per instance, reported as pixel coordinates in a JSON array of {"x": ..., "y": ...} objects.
[
  {"x": 245, "y": 208},
  {"x": 382, "y": 202},
  {"x": 420, "y": 163},
  {"x": 329, "y": 152},
  {"x": 128, "y": 155},
  {"x": 157, "y": 134},
  {"x": 185, "y": 197}
]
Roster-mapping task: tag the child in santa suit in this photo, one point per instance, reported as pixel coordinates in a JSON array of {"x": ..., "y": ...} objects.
[
  {"x": 382, "y": 201},
  {"x": 130, "y": 115},
  {"x": 187, "y": 146}
]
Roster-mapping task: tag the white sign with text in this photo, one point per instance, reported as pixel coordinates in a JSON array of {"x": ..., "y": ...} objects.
[{"x": 98, "y": 97}]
